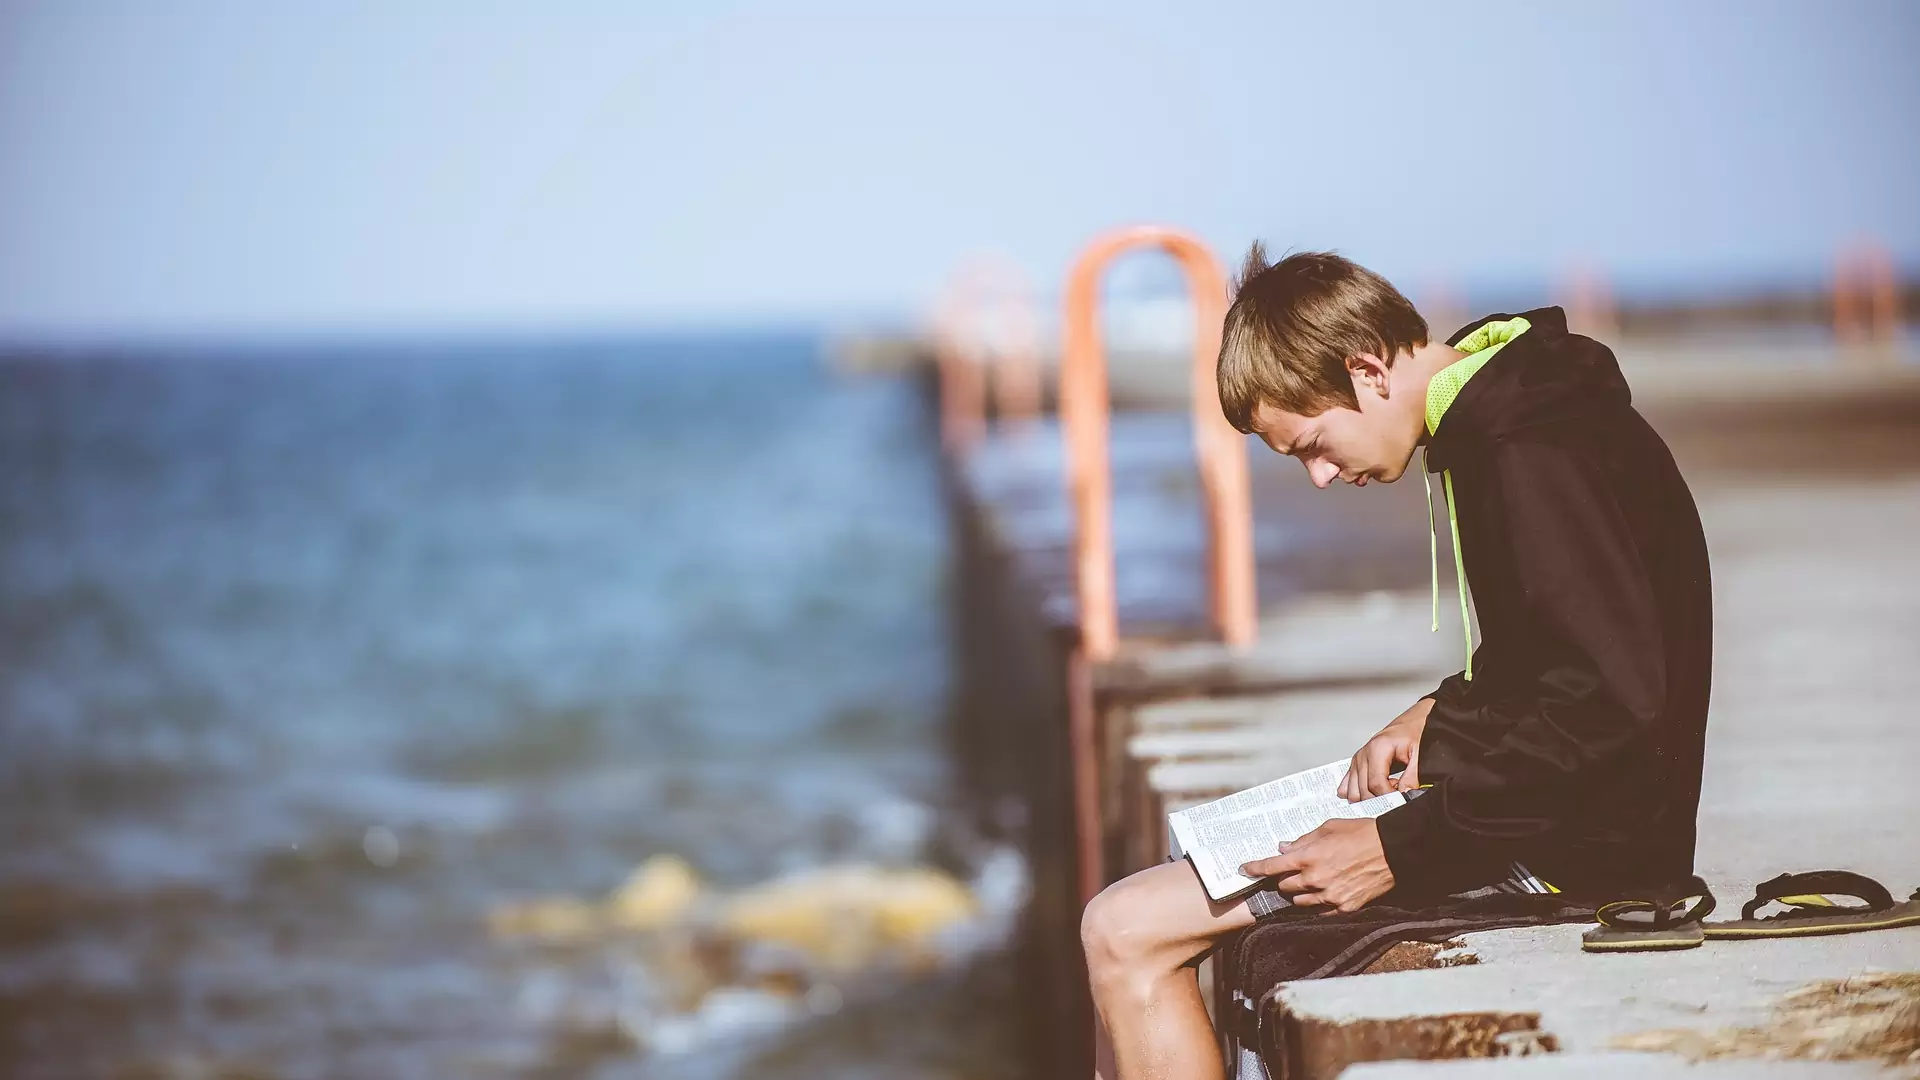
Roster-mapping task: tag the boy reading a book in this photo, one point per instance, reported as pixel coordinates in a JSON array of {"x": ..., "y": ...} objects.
[{"x": 1568, "y": 748}]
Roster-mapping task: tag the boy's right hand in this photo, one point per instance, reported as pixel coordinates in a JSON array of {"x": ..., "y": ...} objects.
[{"x": 1398, "y": 743}]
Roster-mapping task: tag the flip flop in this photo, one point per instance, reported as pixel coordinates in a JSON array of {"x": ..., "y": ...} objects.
[
  {"x": 1811, "y": 910},
  {"x": 1652, "y": 920}
]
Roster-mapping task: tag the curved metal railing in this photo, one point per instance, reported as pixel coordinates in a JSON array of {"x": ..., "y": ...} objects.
[{"x": 1221, "y": 450}]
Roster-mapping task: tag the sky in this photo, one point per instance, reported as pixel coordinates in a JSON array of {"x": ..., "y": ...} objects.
[{"x": 297, "y": 167}]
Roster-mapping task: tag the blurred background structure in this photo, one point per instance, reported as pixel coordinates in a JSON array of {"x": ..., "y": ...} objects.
[{"x": 485, "y": 492}]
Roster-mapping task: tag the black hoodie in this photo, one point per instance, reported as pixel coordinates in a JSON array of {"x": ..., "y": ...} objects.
[{"x": 1575, "y": 748}]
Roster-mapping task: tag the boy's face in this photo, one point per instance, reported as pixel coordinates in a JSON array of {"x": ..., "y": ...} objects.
[{"x": 1371, "y": 443}]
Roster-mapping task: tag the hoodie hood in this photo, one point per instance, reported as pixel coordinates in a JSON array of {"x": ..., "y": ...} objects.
[{"x": 1542, "y": 376}]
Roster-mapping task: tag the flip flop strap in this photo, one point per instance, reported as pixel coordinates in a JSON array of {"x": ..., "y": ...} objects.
[
  {"x": 1659, "y": 901},
  {"x": 1817, "y": 883}
]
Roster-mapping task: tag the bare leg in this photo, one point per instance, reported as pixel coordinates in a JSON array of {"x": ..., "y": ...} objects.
[{"x": 1139, "y": 935}]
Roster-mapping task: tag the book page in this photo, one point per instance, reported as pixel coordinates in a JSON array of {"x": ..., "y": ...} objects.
[
  {"x": 1219, "y": 836},
  {"x": 1324, "y": 780}
]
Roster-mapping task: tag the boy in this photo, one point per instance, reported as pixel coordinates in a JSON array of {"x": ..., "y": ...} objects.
[{"x": 1568, "y": 750}]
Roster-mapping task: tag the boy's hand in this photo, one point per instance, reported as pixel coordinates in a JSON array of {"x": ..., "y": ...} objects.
[
  {"x": 1340, "y": 864},
  {"x": 1397, "y": 744}
]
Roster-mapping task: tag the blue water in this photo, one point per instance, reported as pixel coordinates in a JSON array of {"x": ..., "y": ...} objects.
[{"x": 311, "y": 658}]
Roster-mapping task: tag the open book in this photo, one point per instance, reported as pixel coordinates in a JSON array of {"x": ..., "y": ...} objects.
[{"x": 1218, "y": 837}]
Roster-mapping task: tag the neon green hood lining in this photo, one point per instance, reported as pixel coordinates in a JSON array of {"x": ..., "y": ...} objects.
[{"x": 1445, "y": 387}]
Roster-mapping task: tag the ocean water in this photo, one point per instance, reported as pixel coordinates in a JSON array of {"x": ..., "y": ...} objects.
[{"x": 315, "y": 661}]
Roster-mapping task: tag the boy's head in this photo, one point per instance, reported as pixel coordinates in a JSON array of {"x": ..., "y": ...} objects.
[{"x": 1307, "y": 362}]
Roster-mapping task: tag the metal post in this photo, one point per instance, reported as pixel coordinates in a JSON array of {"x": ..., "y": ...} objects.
[
  {"x": 962, "y": 395},
  {"x": 987, "y": 344},
  {"x": 1883, "y": 294},
  {"x": 1847, "y": 301}
]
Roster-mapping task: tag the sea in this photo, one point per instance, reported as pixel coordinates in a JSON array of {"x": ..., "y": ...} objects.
[{"x": 320, "y": 662}]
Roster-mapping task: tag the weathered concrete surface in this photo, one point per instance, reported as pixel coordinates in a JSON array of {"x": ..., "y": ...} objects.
[
  {"x": 1295, "y": 727},
  {"x": 1316, "y": 640},
  {"x": 1315, "y": 715},
  {"x": 1812, "y": 738},
  {"x": 1609, "y": 1067},
  {"x": 1586, "y": 1002}
]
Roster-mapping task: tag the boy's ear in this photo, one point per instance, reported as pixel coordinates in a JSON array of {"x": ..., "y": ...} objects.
[{"x": 1369, "y": 373}]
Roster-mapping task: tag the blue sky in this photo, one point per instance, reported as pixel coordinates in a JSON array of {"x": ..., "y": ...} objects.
[{"x": 298, "y": 167}]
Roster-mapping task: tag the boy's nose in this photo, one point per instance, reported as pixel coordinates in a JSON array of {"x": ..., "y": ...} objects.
[{"x": 1322, "y": 473}]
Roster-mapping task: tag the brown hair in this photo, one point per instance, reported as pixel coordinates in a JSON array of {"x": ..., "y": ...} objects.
[{"x": 1294, "y": 325}]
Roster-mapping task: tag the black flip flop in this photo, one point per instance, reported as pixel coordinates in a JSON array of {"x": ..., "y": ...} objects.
[
  {"x": 1659, "y": 919},
  {"x": 1810, "y": 909}
]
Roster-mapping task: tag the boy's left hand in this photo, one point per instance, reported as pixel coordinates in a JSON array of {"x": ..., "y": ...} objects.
[{"x": 1340, "y": 864}]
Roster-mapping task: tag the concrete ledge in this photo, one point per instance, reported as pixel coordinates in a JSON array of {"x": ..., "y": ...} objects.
[
  {"x": 1181, "y": 783},
  {"x": 1610, "y": 1067},
  {"x": 1314, "y": 642},
  {"x": 1325, "y": 1047},
  {"x": 1725, "y": 999},
  {"x": 1318, "y": 713}
]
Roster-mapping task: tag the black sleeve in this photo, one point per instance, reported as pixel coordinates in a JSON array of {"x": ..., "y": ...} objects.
[
  {"x": 1450, "y": 689},
  {"x": 1509, "y": 766},
  {"x": 1453, "y": 689}
]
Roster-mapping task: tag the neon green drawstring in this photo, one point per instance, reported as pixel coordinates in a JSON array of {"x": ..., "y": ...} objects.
[
  {"x": 1433, "y": 540},
  {"x": 1433, "y": 550},
  {"x": 1459, "y": 572}
]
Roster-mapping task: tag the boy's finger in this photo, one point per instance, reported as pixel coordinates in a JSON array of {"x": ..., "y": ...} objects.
[
  {"x": 1272, "y": 866},
  {"x": 1379, "y": 767},
  {"x": 1410, "y": 779}
]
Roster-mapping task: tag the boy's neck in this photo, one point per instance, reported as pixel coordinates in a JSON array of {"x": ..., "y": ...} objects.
[{"x": 1423, "y": 364}]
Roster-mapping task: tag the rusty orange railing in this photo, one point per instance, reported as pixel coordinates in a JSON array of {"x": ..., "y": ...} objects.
[
  {"x": 1588, "y": 299},
  {"x": 1221, "y": 450},
  {"x": 962, "y": 387},
  {"x": 1013, "y": 346},
  {"x": 988, "y": 348},
  {"x": 1866, "y": 296},
  {"x": 1443, "y": 305}
]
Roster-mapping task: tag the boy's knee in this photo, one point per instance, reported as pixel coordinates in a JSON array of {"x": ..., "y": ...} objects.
[{"x": 1114, "y": 934}]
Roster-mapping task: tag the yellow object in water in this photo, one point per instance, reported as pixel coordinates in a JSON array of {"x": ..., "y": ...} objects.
[
  {"x": 556, "y": 918},
  {"x": 845, "y": 916},
  {"x": 658, "y": 893}
]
